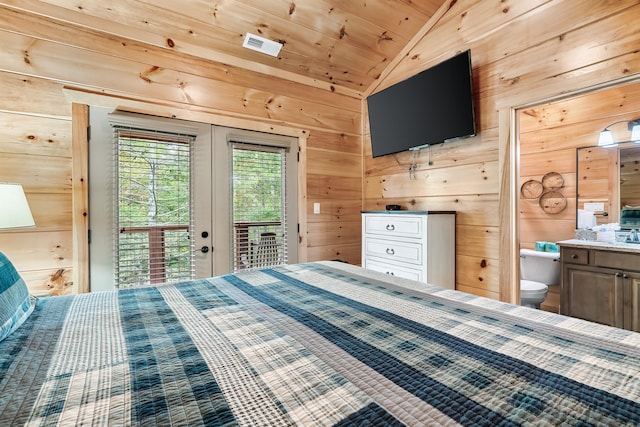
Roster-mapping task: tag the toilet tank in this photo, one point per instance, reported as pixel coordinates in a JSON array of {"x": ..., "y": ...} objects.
[{"x": 537, "y": 266}]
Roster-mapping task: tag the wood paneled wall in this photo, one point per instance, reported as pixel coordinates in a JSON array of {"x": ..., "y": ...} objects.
[
  {"x": 523, "y": 53},
  {"x": 35, "y": 151},
  {"x": 40, "y": 55},
  {"x": 334, "y": 179}
]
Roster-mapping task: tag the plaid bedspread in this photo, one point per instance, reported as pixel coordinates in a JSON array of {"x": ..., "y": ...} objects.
[{"x": 312, "y": 344}]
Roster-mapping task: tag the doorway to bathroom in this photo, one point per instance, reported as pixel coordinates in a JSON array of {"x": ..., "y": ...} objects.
[{"x": 548, "y": 136}]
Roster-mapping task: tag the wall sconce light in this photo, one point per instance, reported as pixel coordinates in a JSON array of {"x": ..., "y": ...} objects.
[
  {"x": 635, "y": 131},
  {"x": 606, "y": 137}
]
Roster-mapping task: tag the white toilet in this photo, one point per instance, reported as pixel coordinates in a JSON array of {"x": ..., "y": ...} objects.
[{"x": 537, "y": 270}]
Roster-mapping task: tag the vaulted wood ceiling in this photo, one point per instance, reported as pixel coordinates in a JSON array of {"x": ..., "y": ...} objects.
[{"x": 339, "y": 45}]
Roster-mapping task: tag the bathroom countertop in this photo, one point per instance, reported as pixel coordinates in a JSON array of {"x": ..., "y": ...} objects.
[{"x": 593, "y": 244}]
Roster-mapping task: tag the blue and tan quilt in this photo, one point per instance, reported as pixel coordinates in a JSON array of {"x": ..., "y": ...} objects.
[{"x": 317, "y": 344}]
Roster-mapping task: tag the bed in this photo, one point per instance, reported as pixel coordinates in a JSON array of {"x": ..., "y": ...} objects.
[{"x": 322, "y": 343}]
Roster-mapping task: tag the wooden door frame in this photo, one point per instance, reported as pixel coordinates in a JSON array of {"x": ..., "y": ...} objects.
[
  {"x": 80, "y": 195},
  {"x": 509, "y": 173}
]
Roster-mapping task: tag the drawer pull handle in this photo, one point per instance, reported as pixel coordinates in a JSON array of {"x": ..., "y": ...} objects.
[
  {"x": 618, "y": 274},
  {"x": 390, "y": 251},
  {"x": 574, "y": 256},
  {"x": 625, "y": 276},
  {"x": 390, "y": 273},
  {"x": 391, "y": 227}
]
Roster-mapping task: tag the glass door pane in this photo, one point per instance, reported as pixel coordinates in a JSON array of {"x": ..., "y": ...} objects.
[
  {"x": 153, "y": 208},
  {"x": 259, "y": 206}
]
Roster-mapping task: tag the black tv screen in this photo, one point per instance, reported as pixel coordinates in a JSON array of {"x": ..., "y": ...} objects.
[{"x": 429, "y": 108}]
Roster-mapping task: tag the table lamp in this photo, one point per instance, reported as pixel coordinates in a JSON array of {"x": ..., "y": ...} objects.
[{"x": 14, "y": 209}]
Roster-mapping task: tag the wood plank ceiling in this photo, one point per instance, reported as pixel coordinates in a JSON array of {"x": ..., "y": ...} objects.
[{"x": 337, "y": 45}]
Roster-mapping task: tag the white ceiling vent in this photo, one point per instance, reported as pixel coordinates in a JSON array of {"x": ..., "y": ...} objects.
[{"x": 260, "y": 44}]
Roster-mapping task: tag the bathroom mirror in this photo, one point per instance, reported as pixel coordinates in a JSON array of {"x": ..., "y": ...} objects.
[{"x": 608, "y": 178}]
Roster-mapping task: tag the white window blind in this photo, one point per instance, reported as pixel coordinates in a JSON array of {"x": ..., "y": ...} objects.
[
  {"x": 153, "y": 208},
  {"x": 258, "y": 205}
]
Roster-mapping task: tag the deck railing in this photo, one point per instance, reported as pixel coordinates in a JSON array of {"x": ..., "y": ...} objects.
[
  {"x": 157, "y": 252},
  {"x": 256, "y": 244}
]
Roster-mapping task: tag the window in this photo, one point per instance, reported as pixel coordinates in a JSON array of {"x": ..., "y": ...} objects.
[
  {"x": 259, "y": 205},
  {"x": 152, "y": 207}
]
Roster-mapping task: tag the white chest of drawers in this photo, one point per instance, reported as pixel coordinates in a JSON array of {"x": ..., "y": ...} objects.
[{"x": 418, "y": 245}]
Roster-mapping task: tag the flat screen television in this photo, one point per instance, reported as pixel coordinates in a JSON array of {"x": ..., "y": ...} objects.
[{"x": 431, "y": 107}]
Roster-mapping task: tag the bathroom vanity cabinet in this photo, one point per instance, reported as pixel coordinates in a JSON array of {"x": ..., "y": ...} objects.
[
  {"x": 601, "y": 285},
  {"x": 418, "y": 245}
]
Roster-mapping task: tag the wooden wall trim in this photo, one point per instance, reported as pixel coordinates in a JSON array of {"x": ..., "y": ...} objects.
[
  {"x": 302, "y": 200},
  {"x": 507, "y": 207},
  {"x": 80, "y": 195},
  {"x": 364, "y": 126}
]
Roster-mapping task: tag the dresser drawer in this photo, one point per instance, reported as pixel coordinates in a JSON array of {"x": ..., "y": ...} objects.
[
  {"x": 620, "y": 260},
  {"x": 395, "y": 270},
  {"x": 394, "y": 250},
  {"x": 394, "y": 225},
  {"x": 575, "y": 256}
]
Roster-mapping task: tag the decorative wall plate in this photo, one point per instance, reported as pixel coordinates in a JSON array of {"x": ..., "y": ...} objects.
[
  {"x": 531, "y": 189},
  {"x": 552, "y": 181},
  {"x": 553, "y": 202}
]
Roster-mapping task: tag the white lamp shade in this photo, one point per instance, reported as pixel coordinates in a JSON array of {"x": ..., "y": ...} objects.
[
  {"x": 606, "y": 138},
  {"x": 635, "y": 133},
  {"x": 14, "y": 209}
]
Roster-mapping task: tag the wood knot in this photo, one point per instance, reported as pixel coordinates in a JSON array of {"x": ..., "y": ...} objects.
[
  {"x": 59, "y": 283},
  {"x": 343, "y": 32},
  {"x": 385, "y": 37}
]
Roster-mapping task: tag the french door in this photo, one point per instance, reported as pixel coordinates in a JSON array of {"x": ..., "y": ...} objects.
[
  {"x": 254, "y": 189},
  {"x": 173, "y": 200}
]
